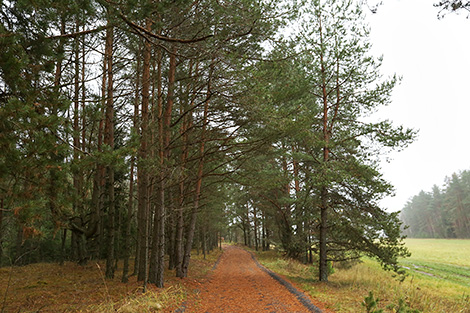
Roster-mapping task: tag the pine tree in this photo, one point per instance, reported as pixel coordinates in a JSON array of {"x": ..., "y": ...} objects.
[{"x": 346, "y": 82}]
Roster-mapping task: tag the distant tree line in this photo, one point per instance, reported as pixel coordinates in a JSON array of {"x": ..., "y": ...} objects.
[{"x": 441, "y": 213}]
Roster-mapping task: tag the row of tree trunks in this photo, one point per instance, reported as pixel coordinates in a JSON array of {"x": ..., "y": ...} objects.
[
  {"x": 254, "y": 224},
  {"x": 95, "y": 231},
  {"x": 186, "y": 124},
  {"x": 206, "y": 241},
  {"x": 99, "y": 176},
  {"x": 159, "y": 236},
  {"x": 194, "y": 212},
  {"x": 88, "y": 229}
]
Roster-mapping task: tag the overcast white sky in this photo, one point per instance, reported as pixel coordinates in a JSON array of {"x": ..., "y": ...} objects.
[{"x": 433, "y": 56}]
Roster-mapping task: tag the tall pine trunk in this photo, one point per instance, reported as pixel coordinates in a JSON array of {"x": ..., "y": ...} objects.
[
  {"x": 130, "y": 203},
  {"x": 143, "y": 178},
  {"x": 76, "y": 222},
  {"x": 323, "y": 257},
  {"x": 160, "y": 213},
  {"x": 55, "y": 157},
  {"x": 185, "y": 127},
  {"x": 109, "y": 140},
  {"x": 1, "y": 229},
  {"x": 97, "y": 198},
  {"x": 192, "y": 223},
  {"x": 255, "y": 222}
]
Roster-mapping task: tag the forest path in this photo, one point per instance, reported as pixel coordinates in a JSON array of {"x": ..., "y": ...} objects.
[{"x": 239, "y": 284}]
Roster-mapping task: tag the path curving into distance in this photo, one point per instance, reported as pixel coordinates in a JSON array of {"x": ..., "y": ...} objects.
[{"x": 240, "y": 284}]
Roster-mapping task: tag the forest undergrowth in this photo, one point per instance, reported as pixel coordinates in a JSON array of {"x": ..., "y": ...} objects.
[{"x": 50, "y": 287}]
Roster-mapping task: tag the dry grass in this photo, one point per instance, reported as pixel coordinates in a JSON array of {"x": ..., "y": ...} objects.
[
  {"x": 348, "y": 287},
  {"x": 48, "y": 287},
  {"x": 73, "y": 288}
]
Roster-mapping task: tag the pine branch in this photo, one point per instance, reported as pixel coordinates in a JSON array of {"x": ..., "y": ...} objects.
[
  {"x": 143, "y": 30},
  {"x": 80, "y": 33}
]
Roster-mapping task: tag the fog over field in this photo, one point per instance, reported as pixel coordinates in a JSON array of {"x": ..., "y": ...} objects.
[{"x": 430, "y": 54}]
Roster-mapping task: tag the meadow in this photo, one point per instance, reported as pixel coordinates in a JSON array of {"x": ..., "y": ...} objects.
[
  {"x": 438, "y": 280},
  {"x": 443, "y": 260}
]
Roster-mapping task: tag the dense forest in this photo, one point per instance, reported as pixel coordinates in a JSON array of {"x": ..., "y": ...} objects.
[
  {"x": 443, "y": 212},
  {"x": 142, "y": 129}
]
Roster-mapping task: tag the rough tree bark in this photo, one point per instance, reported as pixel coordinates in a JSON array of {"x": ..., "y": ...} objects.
[
  {"x": 323, "y": 268},
  {"x": 77, "y": 222},
  {"x": 142, "y": 176},
  {"x": 179, "y": 237},
  {"x": 165, "y": 135},
  {"x": 192, "y": 223},
  {"x": 54, "y": 171},
  {"x": 130, "y": 203},
  {"x": 109, "y": 140},
  {"x": 1, "y": 229}
]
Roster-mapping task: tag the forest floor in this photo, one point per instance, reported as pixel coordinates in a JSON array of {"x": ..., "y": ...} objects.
[
  {"x": 237, "y": 284},
  {"x": 50, "y": 287}
]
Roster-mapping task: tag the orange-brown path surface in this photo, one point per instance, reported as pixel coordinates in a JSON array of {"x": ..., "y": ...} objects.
[{"x": 239, "y": 285}]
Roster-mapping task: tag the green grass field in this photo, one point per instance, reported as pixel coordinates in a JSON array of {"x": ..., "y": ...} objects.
[
  {"x": 454, "y": 252},
  {"x": 438, "y": 281},
  {"x": 440, "y": 259}
]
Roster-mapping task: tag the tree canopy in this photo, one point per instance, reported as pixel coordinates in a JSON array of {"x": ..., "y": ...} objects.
[
  {"x": 452, "y": 6},
  {"x": 149, "y": 128}
]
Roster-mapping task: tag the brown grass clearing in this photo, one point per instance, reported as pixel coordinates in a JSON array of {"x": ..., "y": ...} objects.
[{"x": 50, "y": 287}]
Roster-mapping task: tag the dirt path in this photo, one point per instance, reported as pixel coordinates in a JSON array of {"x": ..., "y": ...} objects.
[{"x": 238, "y": 284}]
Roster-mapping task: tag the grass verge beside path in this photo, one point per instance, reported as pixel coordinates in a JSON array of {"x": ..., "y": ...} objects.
[{"x": 347, "y": 288}]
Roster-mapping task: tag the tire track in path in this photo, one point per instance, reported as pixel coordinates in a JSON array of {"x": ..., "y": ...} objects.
[{"x": 240, "y": 284}]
